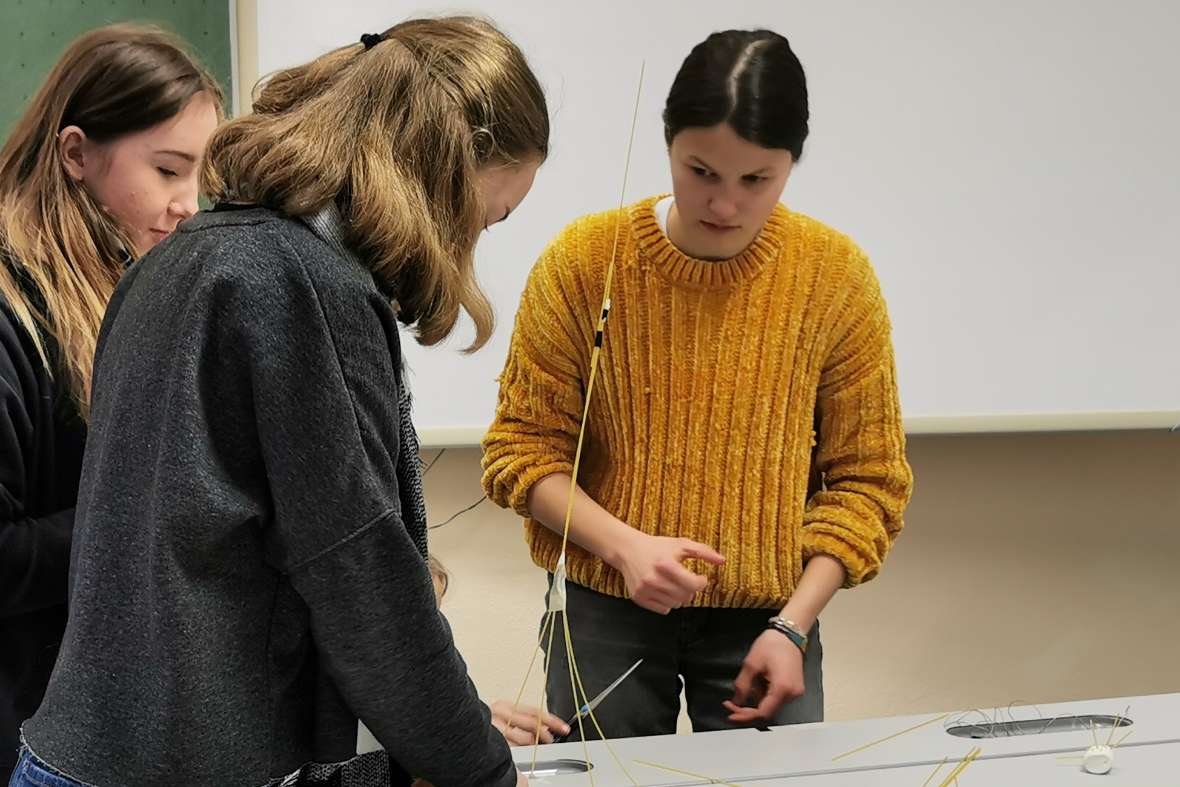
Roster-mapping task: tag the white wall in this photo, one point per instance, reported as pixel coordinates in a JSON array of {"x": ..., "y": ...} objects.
[{"x": 1011, "y": 169}]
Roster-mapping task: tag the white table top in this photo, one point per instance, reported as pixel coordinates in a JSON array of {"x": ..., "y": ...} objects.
[
  {"x": 1153, "y": 765},
  {"x": 805, "y": 750}
]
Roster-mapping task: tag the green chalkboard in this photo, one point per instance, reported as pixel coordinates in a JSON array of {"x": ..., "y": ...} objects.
[{"x": 34, "y": 33}]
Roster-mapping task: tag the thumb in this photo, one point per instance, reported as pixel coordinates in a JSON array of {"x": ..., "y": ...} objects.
[
  {"x": 695, "y": 549},
  {"x": 743, "y": 685}
]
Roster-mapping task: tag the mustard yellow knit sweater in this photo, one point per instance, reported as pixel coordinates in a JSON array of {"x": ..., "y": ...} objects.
[{"x": 749, "y": 404}]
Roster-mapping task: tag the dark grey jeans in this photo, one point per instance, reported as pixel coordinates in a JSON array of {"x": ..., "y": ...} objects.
[{"x": 699, "y": 648}]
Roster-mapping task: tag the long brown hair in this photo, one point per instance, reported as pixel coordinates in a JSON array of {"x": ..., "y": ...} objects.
[
  {"x": 394, "y": 132},
  {"x": 62, "y": 251}
]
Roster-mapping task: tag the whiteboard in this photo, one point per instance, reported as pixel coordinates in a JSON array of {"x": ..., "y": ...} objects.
[{"x": 1013, "y": 171}]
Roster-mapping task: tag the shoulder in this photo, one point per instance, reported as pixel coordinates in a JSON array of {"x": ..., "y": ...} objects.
[
  {"x": 598, "y": 229},
  {"x": 842, "y": 263},
  {"x": 264, "y": 259},
  {"x": 817, "y": 236},
  {"x": 579, "y": 254}
]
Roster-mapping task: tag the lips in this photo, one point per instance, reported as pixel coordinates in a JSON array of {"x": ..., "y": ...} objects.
[
  {"x": 718, "y": 227},
  {"x": 159, "y": 235}
]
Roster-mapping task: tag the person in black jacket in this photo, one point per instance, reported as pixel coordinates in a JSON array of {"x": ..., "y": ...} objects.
[
  {"x": 250, "y": 563},
  {"x": 103, "y": 163}
]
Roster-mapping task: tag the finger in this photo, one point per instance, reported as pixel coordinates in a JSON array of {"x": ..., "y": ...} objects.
[
  {"x": 532, "y": 712},
  {"x": 661, "y": 589},
  {"x": 646, "y": 601},
  {"x": 744, "y": 684},
  {"x": 741, "y": 714},
  {"x": 527, "y": 723},
  {"x": 745, "y": 716},
  {"x": 695, "y": 549},
  {"x": 665, "y": 599},
  {"x": 530, "y": 719},
  {"x": 774, "y": 699},
  {"x": 518, "y": 737},
  {"x": 683, "y": 580},
  {"x": 557, "y": 724},
  {"x": 524, "y": 715}
]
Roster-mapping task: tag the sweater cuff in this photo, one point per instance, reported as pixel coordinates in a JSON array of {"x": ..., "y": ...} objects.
[
  {"x": 519, "y": 499},
  {"x": 509, "y": 487},
  {"x": 859, "y": 565}
]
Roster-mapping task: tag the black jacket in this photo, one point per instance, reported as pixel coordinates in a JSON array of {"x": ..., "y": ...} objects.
[{"x": 42, "y": 437}]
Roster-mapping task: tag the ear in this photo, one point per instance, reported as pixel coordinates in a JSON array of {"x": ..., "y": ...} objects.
[{"x": 72, "y": 147}]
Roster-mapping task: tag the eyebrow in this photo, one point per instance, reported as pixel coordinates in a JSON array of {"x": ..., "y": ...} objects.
[
  {"x": 189, "y": 157},
  {"x": 704, "y": 164}
]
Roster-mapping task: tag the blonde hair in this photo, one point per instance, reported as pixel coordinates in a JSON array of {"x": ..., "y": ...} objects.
[
  {"x": 440, "y": 577},
  {"x": 63, "y": 252},
  {"x": 394, "y": 133}
]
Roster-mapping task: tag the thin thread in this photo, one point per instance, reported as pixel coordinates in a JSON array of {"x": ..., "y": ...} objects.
[
  {"x": 889, "y": 737},
  {"x": 458, "y": 514},
  {"x": 433, "y": 461},
  {"x": 707, "y": 779}
]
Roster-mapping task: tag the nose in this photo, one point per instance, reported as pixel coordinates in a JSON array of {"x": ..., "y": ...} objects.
[
  {"x": 184, "y": 206},
  {"x": 723, "y": 206}
]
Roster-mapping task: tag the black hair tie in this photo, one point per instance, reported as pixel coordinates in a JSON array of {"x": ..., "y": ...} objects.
[{"x": 371, "y": 40}]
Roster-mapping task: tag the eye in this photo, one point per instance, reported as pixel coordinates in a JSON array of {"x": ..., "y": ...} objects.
[
  {"x": 701, "y": 172},
  {"x": 753, "y": 179},
  {"x": 166, "y": 172}
]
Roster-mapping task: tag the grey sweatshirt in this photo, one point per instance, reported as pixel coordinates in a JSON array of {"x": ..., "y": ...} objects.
[{"x": 244, "y": 584}]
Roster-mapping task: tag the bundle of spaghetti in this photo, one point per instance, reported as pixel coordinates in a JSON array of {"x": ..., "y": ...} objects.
[{"x": 953, "y": 776}]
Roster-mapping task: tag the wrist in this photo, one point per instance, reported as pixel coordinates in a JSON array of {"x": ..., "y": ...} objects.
[
  {"x": 790, "y": 630},
  {"x": 802, "y": 623},
  {"x": 621, "y": 541}
]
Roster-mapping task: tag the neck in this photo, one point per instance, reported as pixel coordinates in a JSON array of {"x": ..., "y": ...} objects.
[{"x": 679, "y": 236}]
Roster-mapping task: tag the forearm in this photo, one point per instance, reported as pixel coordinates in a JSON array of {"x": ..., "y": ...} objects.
[
  {"x": 822, "y": 577},
  {"x": 592, "y": 527}
]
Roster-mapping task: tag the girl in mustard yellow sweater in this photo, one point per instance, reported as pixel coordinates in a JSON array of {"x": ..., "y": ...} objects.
[{"x": 744, "y": 453}]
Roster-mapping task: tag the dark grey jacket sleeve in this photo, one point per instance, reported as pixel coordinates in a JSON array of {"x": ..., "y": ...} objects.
[{"x": 325, "y": 394}]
